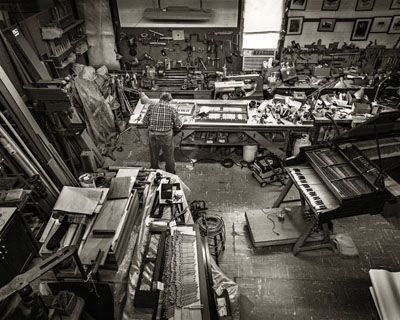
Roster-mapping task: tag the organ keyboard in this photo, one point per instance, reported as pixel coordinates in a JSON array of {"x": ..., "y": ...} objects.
[{"x": 338, "y": 180}]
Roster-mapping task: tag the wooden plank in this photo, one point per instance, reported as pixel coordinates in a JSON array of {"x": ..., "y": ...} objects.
[
  {"x": 128, "y": 172},
  {"x": 263, "y": 223},
  {"x": 78, "y": 200},
  {"x": 92, "y": 248},
  {"x": 38, "y": 66},
  {"x": 36, "y": 134},
  {"x": 267, "y": 144},
  {"x": 120, "y": 188},
  {"x": 392, "y": 186},
  {"x": 386, "y": 286},
  {"x": 86, "y": 143},
  {"x": 110, "y": 215}
]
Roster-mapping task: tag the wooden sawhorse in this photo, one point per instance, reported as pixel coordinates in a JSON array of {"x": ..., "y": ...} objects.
[{"x": 300, "y": 244}]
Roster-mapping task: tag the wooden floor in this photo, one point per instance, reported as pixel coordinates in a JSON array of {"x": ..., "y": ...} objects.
[{"x": 273, "y": 283}]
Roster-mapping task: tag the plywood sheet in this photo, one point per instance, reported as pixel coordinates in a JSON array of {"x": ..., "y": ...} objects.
[
  {"x": 92, "y": 248},
  {"x": 110, "y": 215},
  {"x": 78, "y": 200},
  {"x": 263, "y": 222},
  {"x": 386, "y": 287},
  {"x": 120, "y": 188}
]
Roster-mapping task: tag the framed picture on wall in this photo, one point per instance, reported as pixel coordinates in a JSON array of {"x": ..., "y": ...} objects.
[
  {"x": 326, "y": 25},
  {"x": 365, "y": 5},
  {"x": 395, "y": 25},
  {"x": 330, "y": 5},
  {"x": 361, "y": 29},
  {"x": 395, "y": 4},
  {"x": 298, "y": 4},
  {"x": 380, "y": 24},
  {"x": 295, "y": 25}
]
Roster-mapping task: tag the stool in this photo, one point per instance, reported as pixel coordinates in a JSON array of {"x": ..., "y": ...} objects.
[{"x": 213, "y": 227}]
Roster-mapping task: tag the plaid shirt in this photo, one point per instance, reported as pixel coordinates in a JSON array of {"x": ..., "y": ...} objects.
[{"x": 161, "y": 117}]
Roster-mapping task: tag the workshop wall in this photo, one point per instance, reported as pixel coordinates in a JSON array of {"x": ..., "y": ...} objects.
[
  {"x": 345, "y": 17},
  {"x": 178, "y": 50}
]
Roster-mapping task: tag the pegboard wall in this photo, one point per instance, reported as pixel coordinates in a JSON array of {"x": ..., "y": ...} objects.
[{"x": 215, "y": 47}]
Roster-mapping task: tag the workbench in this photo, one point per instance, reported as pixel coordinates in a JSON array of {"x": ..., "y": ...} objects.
[{"x": 247, "y": 124}]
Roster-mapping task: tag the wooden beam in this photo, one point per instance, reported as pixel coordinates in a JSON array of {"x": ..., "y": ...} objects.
[{"x": 266, "y": 143}]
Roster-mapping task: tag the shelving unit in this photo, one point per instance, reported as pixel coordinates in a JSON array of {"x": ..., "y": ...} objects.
[{"x": 57, "y": 36}]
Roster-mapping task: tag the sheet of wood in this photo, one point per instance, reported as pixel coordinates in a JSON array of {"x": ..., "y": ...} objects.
[
  {"x": 129, "y": 172},
  {"x": 46, "y": 231},
  {"x": 373, "y": 294},
  {"x": 110, "y": 215},
  {"x": 14, "y": 194},
  {"x": 78, "y": 200},
  {"x": 69, "y": 235},
  {"x": 386, "y": 286},
  {"x": 392, "y": 186},
  {"x": 92, "y": 248},
  {"x": 120, "y": 188},
  {"x": 261, "y": 227},
  {"x": 130, "y": 209}
]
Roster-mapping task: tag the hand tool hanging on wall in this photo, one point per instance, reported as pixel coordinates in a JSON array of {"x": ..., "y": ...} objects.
[{"x": 132, "y": 46}]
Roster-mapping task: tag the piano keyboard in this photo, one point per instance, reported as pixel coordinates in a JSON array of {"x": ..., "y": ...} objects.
[{"x": 319, "y": 197}]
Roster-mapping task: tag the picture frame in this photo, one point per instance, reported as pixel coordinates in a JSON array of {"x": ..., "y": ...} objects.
[
  {"x": 361, "y": 29},
  {"x": 326, "y": 25},
  {"x": 380, "y": 25},
  {"x": 330, "y": 5},
  {"x": 298, "y": 4},
  {"x": 395, "y": 5},
  {"x": 295, "y": 25},
  {"x": 365, "y": 5},
  {"x": 395, "y": 25}
]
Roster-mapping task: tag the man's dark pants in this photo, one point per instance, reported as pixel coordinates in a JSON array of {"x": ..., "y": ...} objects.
[{"x": 162, "y": 141}]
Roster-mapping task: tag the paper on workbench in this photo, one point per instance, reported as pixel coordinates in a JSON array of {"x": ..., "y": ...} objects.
[{"x": 78, "y": 200}]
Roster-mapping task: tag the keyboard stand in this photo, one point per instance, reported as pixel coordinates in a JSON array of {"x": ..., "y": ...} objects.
[{"x": 300, "y": 244}]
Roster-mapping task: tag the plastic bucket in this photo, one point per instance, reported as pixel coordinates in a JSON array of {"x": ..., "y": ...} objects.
[{"x": 249, "y": 153}]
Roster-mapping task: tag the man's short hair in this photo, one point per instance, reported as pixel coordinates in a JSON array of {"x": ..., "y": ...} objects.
[{"x": 166, "y": 96}]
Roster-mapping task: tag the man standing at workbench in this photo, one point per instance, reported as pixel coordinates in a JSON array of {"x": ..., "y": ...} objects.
[{"x": 161, "y": 118}]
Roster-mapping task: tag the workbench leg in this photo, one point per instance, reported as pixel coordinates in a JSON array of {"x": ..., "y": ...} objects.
[
  {"x": 266, "y": 143},
  {"x": 178, "y": 138},
  {"x": 283, "y": 194},
  {"x": 287, "y": 136}
]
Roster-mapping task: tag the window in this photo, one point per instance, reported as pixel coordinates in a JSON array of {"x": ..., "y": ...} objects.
[{"x": 262, "y": 23}]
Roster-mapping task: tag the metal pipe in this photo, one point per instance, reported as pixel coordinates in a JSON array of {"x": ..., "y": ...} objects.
[
  {"x": 49, "y": 183},
  {"x": 17, "y": 156}
]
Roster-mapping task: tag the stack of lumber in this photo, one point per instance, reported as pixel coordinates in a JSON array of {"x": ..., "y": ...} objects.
[
  {"x": 80, "y": 205},
  {"x": 110, "y": 232},
  {"x": 385, "y": 291}
]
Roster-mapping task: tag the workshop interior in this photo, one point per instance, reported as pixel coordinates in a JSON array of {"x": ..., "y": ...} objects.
[{"x": 285, "y": 135}]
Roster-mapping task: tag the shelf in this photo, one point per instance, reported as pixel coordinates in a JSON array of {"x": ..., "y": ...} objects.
[
  {"x": 59, "y": 59},
  {"x": 74, "y": 25}
]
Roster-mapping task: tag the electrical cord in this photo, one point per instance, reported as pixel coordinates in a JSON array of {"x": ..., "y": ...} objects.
[
  {"x": 273, "y": 222},
  {"x": 211, "y": 225}
]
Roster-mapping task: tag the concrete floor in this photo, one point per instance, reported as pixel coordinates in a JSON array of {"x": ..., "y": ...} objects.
[{"x": 273, "y": 283}]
